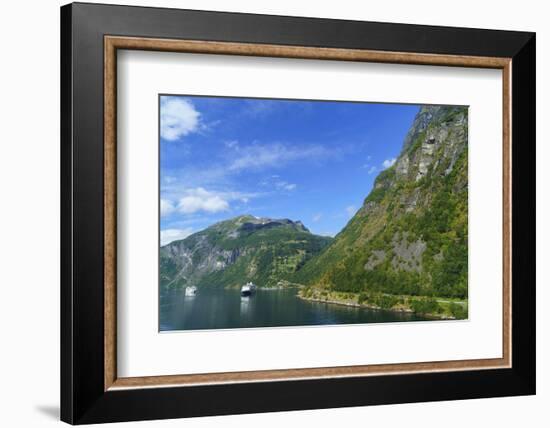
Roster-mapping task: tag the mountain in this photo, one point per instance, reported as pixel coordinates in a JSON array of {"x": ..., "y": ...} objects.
[
  {"x": 410, "y": 237},
  {"x": 232, "y": 252}
]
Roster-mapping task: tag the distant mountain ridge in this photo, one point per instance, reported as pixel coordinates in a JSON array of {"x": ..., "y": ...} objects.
[{"x": 241, "y": 249}]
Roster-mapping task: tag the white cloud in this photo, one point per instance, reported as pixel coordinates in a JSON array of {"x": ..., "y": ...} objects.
[
  {"x": 388, "y": 162},
  {"x": 274, "y": 155},
  {"x": 178, "y": 117},
  {"x": 317, "y": 217},
  {"x": 200, "y": 199},
  {"x": 372, "y": 170},
  {"x": 170, "y": 235},
  {"x": 274, "y": 182},
  {"x": 232, "y": 144},
  {"x": 253, "y": 156},
  {"x": 283, "y": 185},
  {"x": 166, "y": 207},
  {"x": 182, "y": 200},
  {"x": 351, "y": 210}
]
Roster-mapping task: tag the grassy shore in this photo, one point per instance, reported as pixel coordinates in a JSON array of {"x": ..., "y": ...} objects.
[{"x": 430, "y": 307}]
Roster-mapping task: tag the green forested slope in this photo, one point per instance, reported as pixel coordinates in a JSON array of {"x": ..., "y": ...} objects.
[{"x": 410, "y": 236}]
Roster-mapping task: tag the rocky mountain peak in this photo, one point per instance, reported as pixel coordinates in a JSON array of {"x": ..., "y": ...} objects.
[{"x": 249, "y": 223}]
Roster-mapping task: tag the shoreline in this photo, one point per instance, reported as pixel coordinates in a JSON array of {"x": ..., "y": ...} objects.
[
  {"x": 431, "y": 308},
  {"x": 397, "y": 309}
]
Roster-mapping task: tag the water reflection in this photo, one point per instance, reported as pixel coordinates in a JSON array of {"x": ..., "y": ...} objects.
[
  {"x": 245, "y": 305},
  {"x": 188, "y": 301},
  {"x": 226, "y": 308}
]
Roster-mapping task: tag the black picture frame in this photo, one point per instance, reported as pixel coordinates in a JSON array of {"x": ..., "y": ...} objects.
[{"x": 83, "y": 398}]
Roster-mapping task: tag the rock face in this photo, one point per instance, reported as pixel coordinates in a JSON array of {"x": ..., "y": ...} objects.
[
  {"x": 410, "y": 236},
  {"x": 235, "y": 251}
]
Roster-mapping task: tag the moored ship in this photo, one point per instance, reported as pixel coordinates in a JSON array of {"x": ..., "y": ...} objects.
[
  {"x": 190, "y": 291},
  {"x": 248, "y": 289}
]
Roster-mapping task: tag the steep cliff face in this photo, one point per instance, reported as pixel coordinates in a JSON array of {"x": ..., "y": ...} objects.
[
  {"x": 238, "y": 250},
  {"x": 410, "y": 236}
]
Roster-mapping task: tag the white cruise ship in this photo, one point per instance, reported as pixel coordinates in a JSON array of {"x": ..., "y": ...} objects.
[
  {"x": 248, "y": 289},
  {"x": 190, "y": 291}
]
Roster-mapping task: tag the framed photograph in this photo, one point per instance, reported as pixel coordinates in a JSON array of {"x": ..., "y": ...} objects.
[{"x": 265, "y": 213}]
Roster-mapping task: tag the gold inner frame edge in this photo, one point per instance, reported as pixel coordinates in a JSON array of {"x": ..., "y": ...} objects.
[{"x": 113, "y": 43}]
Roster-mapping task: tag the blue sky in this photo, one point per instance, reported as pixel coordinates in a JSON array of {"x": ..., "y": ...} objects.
[{"x": 313, "y": 161}]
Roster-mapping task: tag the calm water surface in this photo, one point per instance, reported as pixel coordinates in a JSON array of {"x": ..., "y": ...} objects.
[{"x": 223, "y": 308}]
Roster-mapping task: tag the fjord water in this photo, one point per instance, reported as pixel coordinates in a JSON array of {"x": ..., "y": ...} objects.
[{"x": 225, "y": 308}]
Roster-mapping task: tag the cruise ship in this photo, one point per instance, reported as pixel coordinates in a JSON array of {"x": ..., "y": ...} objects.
[
  {"x": 248, "y": 289},
  {"x": 190, "y": 291}
]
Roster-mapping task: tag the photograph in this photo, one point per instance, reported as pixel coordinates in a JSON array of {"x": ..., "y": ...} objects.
[{"x": 278, "y": 212}]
